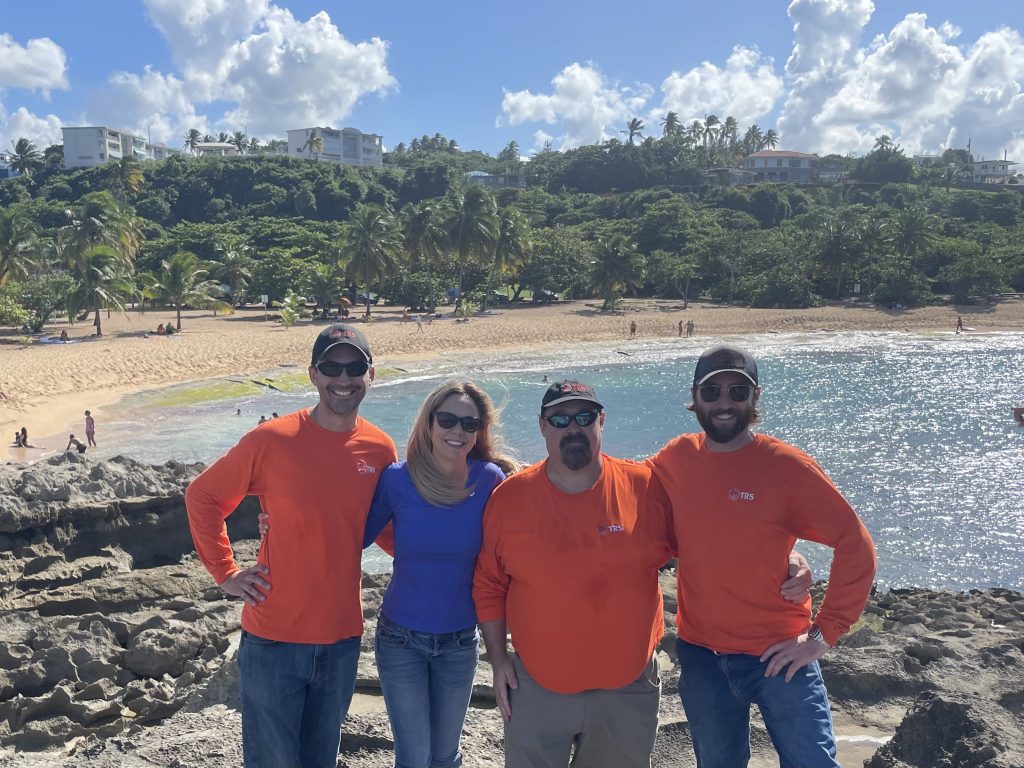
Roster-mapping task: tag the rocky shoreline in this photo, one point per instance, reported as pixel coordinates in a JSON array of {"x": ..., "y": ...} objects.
[{"x": 116, "y": 647}]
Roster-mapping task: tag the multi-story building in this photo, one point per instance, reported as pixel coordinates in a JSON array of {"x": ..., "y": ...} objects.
[
  {"x": 781, "y": 166},
  {"x": 215, "y": 149},
  {"x": 991, "y": 171},
  {"x": 86, "y": 146},
  {"x": 349, "y": 146},
  {"x": 6, "y": 172}
]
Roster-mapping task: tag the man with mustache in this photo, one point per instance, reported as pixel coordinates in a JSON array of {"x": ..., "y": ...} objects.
[
  {"x": 572, "y": 547},
  {"x": 741, "y": 500}
]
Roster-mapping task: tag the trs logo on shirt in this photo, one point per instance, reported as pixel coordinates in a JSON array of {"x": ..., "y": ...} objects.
[
  {"x": 735, "y": 495},
  {"x": 607, "y": 529},
  {"x": 365, "y": 469}
]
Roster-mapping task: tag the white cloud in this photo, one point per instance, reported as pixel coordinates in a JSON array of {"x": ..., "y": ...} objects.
[
  {"x": 914, "y": 83},
  {"x": 588, "y": 108},
  {"x": 41, "y": 131},
  {"x": 272, "y": 71},
  {"x": 746, "y": 88},
  {"x": 39, "y": 65}
]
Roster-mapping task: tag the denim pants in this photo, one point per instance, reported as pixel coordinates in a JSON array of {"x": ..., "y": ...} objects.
[
  {"x": 717, "y": 691},
  {"x": 427, "y": 681},
  {"x": 294, "y": 699}
]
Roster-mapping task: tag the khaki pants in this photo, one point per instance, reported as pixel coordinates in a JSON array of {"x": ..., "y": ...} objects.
[{"x": 606, "y": 728}]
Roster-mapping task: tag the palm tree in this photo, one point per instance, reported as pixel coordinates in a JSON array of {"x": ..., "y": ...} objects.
[
  {"x": 472, "y": 228},
  {"x": 223, "y": 138},
  {"x": 730, "y": 128},
  {"x": 634, "y": 128},
  {"x": 752, "y": 139},
  {"x": 325, "y": 284},
  {"x": 511, "y": 247},
  {"x": 425, "y": 238},
  {"x": 618, "y": 266},
  {"x": 193, "y": 139},
  {"x": 19, "y": 244},
  {"x": 104, "y": 280},
  {"x": 99, "y": 219},
  {"x": 670, "y": 124},
  {"x": 254, "y": 144},
  {"x": 183, "y": 280},
  {"x": 696, "y": 131},
  {"x": 369, "y": 246},
  {"x": 125, "y": 177},
  {"x": 235, "y": 269},
  {"x": 710, "y": 131},
  {"x": 771, "y": 138},
  {"x": 239, "y": 140},
  {"x": 840, "y": 245},
  {"x": 26, "y": 157},
  {"x": 314, "y": 142},
  {"x": 913, "y": 232},
  {"x": 207, "y": 138},
  {"x": 883, "y": 142}
]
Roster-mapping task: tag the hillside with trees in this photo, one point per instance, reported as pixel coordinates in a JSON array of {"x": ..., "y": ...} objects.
[{"x": 643, "y": 215}]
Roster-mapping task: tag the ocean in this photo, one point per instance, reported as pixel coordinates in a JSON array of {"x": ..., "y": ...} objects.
[{"x": 915, "y": 430}]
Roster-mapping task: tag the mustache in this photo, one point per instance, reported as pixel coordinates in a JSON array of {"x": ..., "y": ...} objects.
[{"x": 574, "y": 438}]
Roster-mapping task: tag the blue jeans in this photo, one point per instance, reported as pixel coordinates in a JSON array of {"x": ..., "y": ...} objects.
[
  {"x": 717, "y": 691},
  {"x": 294, "y": 699},
  {"x": 427, "y": 681}
]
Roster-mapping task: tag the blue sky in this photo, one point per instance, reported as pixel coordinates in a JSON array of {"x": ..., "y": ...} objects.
[{"x": 829, "y": 75}]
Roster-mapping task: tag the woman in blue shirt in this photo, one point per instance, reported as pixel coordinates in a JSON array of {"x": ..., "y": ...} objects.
[{"x": 427, "y": 642}]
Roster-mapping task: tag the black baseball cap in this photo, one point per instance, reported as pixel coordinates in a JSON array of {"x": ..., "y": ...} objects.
[
  {"x": 570, "y": 389},
  {"x": 340, "y": 333},
  {"x": 725, "y": 358}
]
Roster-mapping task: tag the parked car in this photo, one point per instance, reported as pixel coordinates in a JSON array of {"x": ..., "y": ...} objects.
[
  {"x": 361, "y": 299},
  {"x": 496, "y": 297},
  {"x": 544, "y": 296}
]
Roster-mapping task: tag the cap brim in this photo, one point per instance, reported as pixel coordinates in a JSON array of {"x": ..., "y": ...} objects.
[
  {"x": 727, "y": 370},
  {"x": 346, "y": 342},
  {"x": 566, "y": 399}
]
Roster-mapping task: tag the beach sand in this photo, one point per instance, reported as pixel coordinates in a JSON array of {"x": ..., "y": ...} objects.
[{"x": 47, "y": 387}]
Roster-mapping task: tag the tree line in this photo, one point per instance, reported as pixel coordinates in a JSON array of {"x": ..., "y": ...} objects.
[{"x": 635, "y": 217}]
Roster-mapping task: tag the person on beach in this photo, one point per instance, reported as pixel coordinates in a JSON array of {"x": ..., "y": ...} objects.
[
  {"x": 90, "y": 429},
  {"x": 689, "y": 328},
  {"x": 744, "y": 498},
  {"x": 78, "y": 444},
  {"x": 569, "y": 564},
  {"x": 23, "y": 433},
  {"x": 632, "y": 329},
  {"x": 959, "y": 324},
  {"x": 17, "y": 439},
  {"x": 315, "y": 472},
  {"x": 680, "y": 329},
  {"x": 160, "y": 330},
  {"x": 419, "y": 323},
  {"x": 170, "y": 329},
  {"x": 64, "y": 335}
]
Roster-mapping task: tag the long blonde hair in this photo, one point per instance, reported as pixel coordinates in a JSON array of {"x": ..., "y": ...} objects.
[{"x": 434, "y": 485}]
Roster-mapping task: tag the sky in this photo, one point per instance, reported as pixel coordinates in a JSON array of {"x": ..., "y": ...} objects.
[{"x": 827, "y": 75}]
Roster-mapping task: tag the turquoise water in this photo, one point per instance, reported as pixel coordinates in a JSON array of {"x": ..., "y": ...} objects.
[{"x": 915, "y": 430}]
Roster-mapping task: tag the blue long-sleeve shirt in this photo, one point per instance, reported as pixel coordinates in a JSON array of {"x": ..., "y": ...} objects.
[{"x": 431, "y": 588}]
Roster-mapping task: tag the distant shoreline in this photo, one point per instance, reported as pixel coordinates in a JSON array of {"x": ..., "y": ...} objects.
[{"x": 47, "y": 387}]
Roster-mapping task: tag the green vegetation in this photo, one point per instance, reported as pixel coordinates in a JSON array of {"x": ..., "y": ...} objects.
[{"x": 647, "y": 215}]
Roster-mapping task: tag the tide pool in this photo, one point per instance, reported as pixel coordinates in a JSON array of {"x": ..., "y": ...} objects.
[{"x": 915, "y": 430}]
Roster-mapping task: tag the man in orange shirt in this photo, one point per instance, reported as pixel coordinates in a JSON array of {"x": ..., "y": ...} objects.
[
  {"x": 739, "y": 502},
  {"x": 570, "y": 558},
  {"x": 314, "y": 472}
]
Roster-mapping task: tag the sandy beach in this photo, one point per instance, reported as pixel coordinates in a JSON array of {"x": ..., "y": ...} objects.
[{"x": 47, "y": 387}]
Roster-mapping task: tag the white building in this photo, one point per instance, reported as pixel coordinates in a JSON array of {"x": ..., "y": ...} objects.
[
  {"x": 87, "y": 146},
  {"x": 349, "y": 146},
  {"x": 216, "y": 149},
  {"x": 991, "y": 171}
]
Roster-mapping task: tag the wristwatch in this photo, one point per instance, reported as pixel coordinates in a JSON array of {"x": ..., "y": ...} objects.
[{"x": 815, "y": 634}]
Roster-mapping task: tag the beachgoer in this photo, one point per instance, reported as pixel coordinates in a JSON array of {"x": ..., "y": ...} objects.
[
  {"x": 17, "y": 439},
  {"x": 689, "y": 328},
  {"x": 680, "y": 329},
  {"x": 24, "y": 439},
  {"x": 427, "y": 642},
  {"x": 160, "y": 330},
  {"x": 405, "y": 316},
  {"x": 64, "y": 335},
  {"x": 632, "y": 329},
  {"x": 570, "y": 560},
  {"x": 419, "y": 323},
  {"x": 90, "y": 429},
  {"x": 238, "y": 411},
  {"x": 959, "y": 324},
  {"x": 78, "y": 444},
  {"x": 274, "y": 415},
  {"x": 315, "y": 472},
  {"x": 544, "y": 379},
  {"x": 1018, "y": 415},
  {"x": 738, "y": 643},
  {"x": 171, "y": 329},
  {"x": 263, "y": 419}
]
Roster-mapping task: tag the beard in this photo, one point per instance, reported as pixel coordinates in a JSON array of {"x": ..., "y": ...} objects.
[
  {"x": 575, "y": 451},
  {"x": 723, "y": 433}
]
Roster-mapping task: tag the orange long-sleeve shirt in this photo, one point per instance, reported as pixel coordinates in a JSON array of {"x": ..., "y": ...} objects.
[
  {"x": 317, "y": 486},
  {"x": 576, "y": 575},
  {"x": 737, "y": 516}
]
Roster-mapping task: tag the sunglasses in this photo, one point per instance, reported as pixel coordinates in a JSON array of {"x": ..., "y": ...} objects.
[
  {"x": 562, "y": 420},
  {"x": 332, "y": 370},
  {"x": 447, "y": 420},
  {"x": 738, "y": 393}
]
